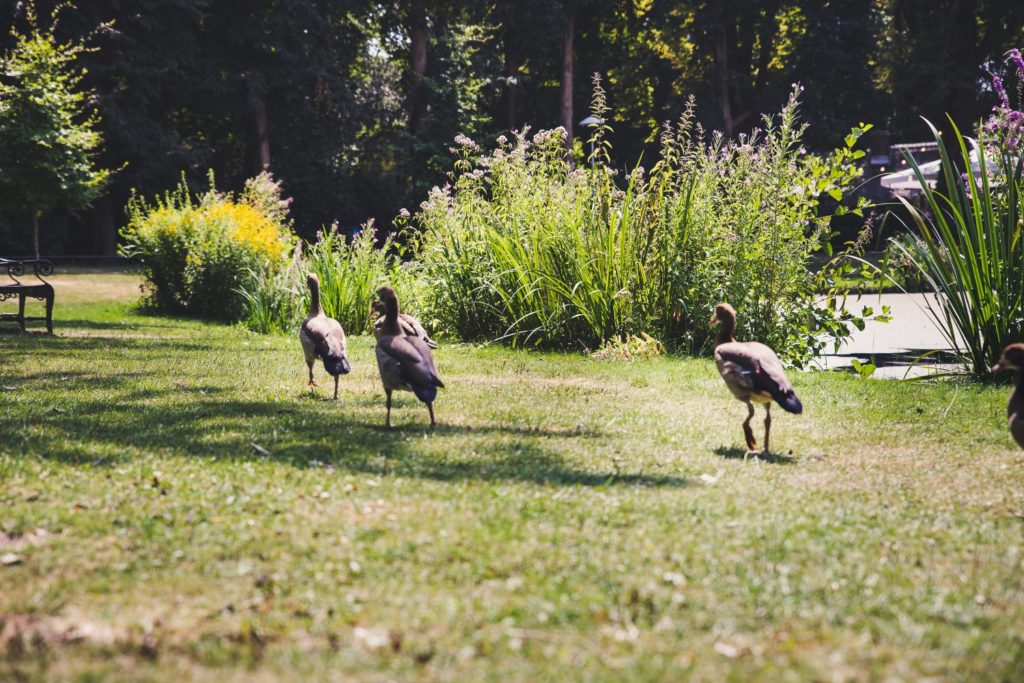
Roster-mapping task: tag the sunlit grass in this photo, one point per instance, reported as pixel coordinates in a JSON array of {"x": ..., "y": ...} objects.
[{"x": 569, "y": 518}]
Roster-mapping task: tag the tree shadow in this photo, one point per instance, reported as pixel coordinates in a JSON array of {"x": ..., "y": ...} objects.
[
  {"x": 733, "y": 453},
  {"x": 106, "y": 432}
]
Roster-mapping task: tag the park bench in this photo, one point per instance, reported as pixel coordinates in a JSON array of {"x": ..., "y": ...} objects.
[{"x": 37, "y": 289}]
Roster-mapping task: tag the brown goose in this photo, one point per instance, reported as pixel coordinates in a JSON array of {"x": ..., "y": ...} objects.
[
  {"x": 411, "y": 327},
  {"x": 753, "y": 374},
  {"x": 405, "y": 362},
  {"x": 323, "y": 338},
  {"x": 1013, "y": 359}
]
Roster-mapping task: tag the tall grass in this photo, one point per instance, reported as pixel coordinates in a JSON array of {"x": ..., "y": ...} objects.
[
  {"x": 350, "y": 274},
  {"x": 970, "y": 251},
  {"x": 524, "y": 247}
]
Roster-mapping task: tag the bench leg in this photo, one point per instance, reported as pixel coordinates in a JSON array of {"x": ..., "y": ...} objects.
[
  {"x": 21, "y": 311},
  {"x": 49, "y": 312}
]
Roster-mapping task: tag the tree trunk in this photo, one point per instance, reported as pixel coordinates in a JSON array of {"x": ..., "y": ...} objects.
[
  {"x": 418, "y": 38},
  {"x": 257, "y": 156},
  {"x": 722, "y": 77},
  {"x": 567, "y": 71},
  {"x": 722, "y": 68},
  {"x": 964, "y": 53},
  {"x": 103, "y": 226},
  {"x": 35, "y": 233},
  {"x": 510, "y": 93}
]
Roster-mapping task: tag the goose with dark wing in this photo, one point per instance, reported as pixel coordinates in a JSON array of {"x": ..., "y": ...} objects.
[
  {"x": 323, "y": 338},
  {"x": 753, "y": 373},
  {"x": 405, "y": 362},
  {"x": 1013, "y": 359}
]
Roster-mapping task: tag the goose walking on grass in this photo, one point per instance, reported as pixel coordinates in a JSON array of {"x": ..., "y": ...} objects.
[
  {"x": 753, "y": 373},
  {"x": 411, "y": 327},
  {"x": 323, "y": 338},
  {"x": 1013, "y": 359},
  {"x": 405, "y": 362}
]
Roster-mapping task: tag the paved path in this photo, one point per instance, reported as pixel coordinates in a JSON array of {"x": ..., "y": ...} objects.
[{"x": 893, "y": 345}]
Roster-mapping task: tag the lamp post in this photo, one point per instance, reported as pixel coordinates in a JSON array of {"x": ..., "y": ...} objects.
[{"x": 592, "y": 122}]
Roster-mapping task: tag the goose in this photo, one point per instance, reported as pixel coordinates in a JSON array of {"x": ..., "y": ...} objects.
[
  {"x": 405, "y": 362},
  {"x": 1013, "y": 359},
  {"x": 411, "y": 327},
  {"x": 323, "y": 338},
  {"x": 753, "y": 373}
]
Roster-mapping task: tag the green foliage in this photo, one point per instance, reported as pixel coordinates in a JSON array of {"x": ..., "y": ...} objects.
[
  {"x": 350, "y": 274},
  {"x": 522, "y": 247},
  {"x": 863, "y": 370},
  {"x": 48, "y": 132},
  {"x": 197, "y": 256},
  {"x": 969, "y": 250}
]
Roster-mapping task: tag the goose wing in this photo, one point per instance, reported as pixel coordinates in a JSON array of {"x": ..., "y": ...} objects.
[
  {"x": 1015, "y": 414},
  {"x": 415, "y": 363},
  {"x": 753, "y": 371},
  {"x": 412, "y": 327},
  {"x": 327, "y": 339}
]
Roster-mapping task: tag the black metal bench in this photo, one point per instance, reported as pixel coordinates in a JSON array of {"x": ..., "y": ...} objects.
[{"x": 41, "y": 290}]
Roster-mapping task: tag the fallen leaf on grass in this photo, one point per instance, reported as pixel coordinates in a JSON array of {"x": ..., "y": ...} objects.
[
  {"x": 10, "y": 559},
  {"x": 726, "y": 650},
  {"x": 377, "y": 638},
  {"x": 711, "y": 479}
]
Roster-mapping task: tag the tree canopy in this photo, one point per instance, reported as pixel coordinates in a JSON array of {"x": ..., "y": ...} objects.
[
  {"x": 354, "y": 104},
  {"x": 48, "y": 135}
]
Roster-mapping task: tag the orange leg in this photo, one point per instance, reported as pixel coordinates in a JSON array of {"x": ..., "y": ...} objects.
[
  {"x": 312, "y": 383},
  {"x": 748, "y": 432}
]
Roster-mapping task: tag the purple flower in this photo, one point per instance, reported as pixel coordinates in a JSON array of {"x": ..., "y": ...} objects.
[
  {"x": 997, "y": 85},
  {"x": 1017, "y": 60}
]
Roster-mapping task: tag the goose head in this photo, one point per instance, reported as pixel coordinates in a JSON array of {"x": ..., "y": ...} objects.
[
  {"x": 1012, "y": 358},
  {"x": 723, "y": 313},
  {"x": 387, "y": 297}
]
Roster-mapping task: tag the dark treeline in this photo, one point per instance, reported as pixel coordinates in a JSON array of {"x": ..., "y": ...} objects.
[{"x": 354, "y": 103}]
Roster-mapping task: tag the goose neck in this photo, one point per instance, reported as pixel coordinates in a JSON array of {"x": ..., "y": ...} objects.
[{"x": 725, "y": 331}]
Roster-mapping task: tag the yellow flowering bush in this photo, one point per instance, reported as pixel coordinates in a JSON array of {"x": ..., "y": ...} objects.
[{"x": 198, "y": 256}]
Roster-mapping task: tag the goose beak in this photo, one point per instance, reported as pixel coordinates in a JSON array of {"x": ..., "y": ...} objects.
[{"x": 714, "y": 321}]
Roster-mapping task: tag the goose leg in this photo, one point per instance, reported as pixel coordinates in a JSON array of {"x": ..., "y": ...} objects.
[
  {"x": 767, "y": 425},
  {"x": 335, "y": 388},
  {"x": 430, "y": 407},
  {"x": 748, "y": 431},
  {"x": 387, "y": 421},
  {"x": 312, "y": 383}
]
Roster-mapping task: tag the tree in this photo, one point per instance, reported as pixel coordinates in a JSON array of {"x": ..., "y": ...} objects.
[{"x": 48, "y": 137}]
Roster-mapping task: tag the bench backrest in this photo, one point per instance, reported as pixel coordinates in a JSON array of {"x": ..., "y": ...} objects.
[{"x": 16, "y": 268}]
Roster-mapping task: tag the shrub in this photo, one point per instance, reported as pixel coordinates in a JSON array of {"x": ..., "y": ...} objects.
[
  {"x": 520, "y": 246},
  {"x": 969, "y": 248},
  {"x": 198, "y": 255}
]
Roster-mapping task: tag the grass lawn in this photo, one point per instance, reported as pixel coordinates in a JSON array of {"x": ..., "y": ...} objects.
[{"x": 175, "y": 505}]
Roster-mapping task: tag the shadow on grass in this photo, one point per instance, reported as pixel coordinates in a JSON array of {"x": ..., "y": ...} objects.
[
  {"x": 113, "y": 430},
  {"x": 189, "y": 416},
  {"x": 733, "y": 453}
]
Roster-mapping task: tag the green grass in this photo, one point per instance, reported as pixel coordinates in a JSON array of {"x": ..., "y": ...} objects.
[{"x": 569, "y": 519}]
